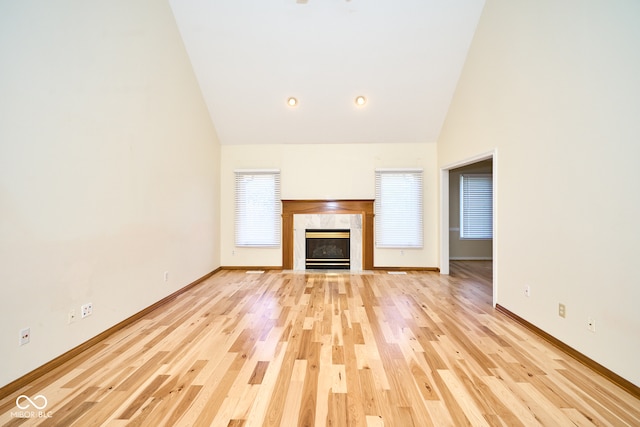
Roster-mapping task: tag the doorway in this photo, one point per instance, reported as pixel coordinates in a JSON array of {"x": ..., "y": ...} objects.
[{"x": 452, "y": 247}]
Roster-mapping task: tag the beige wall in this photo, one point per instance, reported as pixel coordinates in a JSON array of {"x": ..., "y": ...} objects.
[
  {"x": 329, "y": 172},
  {"x": 467, "y": 249},
  {"x": 553, "y": 87},
  {"x": 109, "y": 169}
]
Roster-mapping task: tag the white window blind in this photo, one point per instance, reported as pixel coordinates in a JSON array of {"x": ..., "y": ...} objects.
[
  {"x": 258, "y": 208},
  {"x": 398, "y": 216},
  {"x": 476, "y": 206}
]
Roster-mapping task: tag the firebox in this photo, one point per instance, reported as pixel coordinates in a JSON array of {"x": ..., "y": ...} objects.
[{"x": 327, "y": 249}]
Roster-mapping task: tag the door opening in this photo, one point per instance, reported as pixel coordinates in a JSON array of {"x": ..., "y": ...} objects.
[{"x": 453, "y": 246}]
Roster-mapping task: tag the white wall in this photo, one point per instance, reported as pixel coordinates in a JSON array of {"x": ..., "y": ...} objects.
[
  {"x": 328, "y": 171},
  {"x": 554, "y": 87},
  {"x": 109, "y": 170}
]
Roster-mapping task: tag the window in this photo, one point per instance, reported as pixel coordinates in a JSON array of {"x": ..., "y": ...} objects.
[
  {"x": 398, "y": 215},
  {"x": 476, "y": 206},
  {"x": 258, "y": 208}
]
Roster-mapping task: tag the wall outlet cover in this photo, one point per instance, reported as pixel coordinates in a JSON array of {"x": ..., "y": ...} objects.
[
  {"x": 25, "y": 336},
  {"x": 562, "y": 310},
  {"x": 86, "y": 310}
]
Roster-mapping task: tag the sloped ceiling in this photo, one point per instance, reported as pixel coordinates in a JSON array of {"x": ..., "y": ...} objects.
[{"x": 250, "y": 56}]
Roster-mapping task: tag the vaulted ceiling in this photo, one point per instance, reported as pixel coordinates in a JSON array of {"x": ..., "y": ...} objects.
[{"x": 250, "y": 56}]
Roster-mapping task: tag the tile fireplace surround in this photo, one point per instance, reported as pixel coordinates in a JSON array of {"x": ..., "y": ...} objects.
[
  {"x": 356, "y": 215},
  {"x": 302, "y": 222}
]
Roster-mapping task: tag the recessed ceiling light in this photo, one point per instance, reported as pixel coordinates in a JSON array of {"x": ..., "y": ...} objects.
[
  {"x": 292, "y": 102},
  {"x": 360, "y": 100}
]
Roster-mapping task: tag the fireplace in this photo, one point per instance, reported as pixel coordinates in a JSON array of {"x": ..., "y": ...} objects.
[
  {"x": 327, "y": 249},
  {"x": 300, "y": 215}
]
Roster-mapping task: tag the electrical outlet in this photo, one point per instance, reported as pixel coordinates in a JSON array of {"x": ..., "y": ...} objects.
[
  {"x": 71, "y": 316},
  {"x": 86, "y": 310},
  {"x": 25, "y": 336},
  {"x": 527, "y": 291},
  {"x": 562, "y": 310},
  {"x": 166, "y": 276},
  {"x": 591, "y": 324}
]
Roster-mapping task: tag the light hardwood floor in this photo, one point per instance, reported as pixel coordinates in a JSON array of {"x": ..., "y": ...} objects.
[{"x": 294, "y": 349}]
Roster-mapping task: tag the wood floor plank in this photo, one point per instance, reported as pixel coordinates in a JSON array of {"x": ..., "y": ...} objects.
[
  {"x": 286, "y": 348},
  {"x": 293, "y": 401},
  {"x": 174, "y": 406},
  {"x": 519, "y": 408},
  {"x": 141, "y": 398},
  {"x": 349, "y": 382},
  {"x": 337, "y": 415},
  {"x": 370, "y": 403}
]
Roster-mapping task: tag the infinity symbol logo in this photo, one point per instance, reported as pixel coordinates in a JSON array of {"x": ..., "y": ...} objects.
[{"x": 20, "y": 402}]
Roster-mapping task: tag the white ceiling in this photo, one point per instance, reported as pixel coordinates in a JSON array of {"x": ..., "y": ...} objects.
[{"x": 404, "y": 56}]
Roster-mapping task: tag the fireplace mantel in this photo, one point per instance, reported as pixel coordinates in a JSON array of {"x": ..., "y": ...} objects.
[{"x": 361, "y": 207}]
